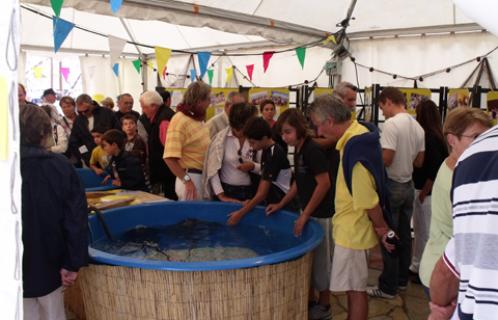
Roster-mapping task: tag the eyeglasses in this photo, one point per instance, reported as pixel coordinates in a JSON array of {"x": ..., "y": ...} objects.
[
  {"x": 239, "y": 153},
  {"x": 473, "y": 137}
]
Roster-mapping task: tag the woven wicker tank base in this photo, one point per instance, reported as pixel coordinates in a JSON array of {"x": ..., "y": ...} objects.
[{"x": 278, "y": 291}]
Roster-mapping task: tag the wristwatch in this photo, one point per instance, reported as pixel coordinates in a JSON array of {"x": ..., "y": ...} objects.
[{"x": 186, "y": 178}]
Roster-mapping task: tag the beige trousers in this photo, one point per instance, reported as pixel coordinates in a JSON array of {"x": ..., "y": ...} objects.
[{"x": 49, "y": 307}]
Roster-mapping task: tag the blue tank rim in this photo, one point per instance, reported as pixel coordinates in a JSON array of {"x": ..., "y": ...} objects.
[{"x": 317, "y": 233}]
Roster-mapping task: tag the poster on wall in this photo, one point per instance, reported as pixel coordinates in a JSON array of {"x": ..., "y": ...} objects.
[
  {"x": 218, "y": 98},
  {"x": 280, "y": 97},
  {"x": 321, "y": 91},
  {"x": 368, "y": 95},
  {"x": 492, "y": 105},
  {"x": 414, "y": 97},
  {"x": 458, "y": 98}
]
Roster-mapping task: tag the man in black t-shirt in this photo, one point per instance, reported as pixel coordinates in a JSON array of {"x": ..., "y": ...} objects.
[{"x": 276, "y": 173}]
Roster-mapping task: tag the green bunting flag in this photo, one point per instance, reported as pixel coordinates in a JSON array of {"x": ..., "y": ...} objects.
[
  {"x": 56, "y": 6},
  {"x": 301, "y": 53},
  {"x": 210, "y": 76},
  {"x": 137, "y": 64}
]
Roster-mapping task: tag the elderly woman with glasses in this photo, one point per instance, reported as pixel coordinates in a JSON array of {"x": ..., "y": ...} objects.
[
  {"x": 461, "y": 127},
  {"x": 225, "y": 177}
]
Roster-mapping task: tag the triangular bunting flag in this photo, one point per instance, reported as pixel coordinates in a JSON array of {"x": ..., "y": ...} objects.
[
  {"x": 38, "y": 72},
  {"x": 115, "y": 68},
  {"x": 62, "y": 28},
  {"x": 266, "y": 59},
  {"x": 192, "y": 75},
  {"x": 210, "y": 76},
  {"x": 330, "y": 38},
  {"x": 116, "y": 46},
  {"x": 250, "y": 69},
  {"x": 137, "y": 64},
  {"x": 203, "y": 58},
  {"x": 301, "y": 53},
  {"x": 229, "y": 71},
  {"x": 56, "y": 6},
  {"x": 116, "y": 5},
  {"x": 162, "y": 57},
  {"x": 65, "y": 73}
]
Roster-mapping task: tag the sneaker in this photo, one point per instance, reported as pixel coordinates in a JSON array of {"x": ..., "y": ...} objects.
[
  {"x": 320, "y": 312},
  {"x": 377, "y": 293}
]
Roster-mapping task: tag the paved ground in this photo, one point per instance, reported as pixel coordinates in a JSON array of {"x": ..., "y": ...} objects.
[{"x": 411, "y": 304}]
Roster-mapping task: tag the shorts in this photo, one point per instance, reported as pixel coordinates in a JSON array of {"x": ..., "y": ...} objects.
[{"x": 349, "y": 270}]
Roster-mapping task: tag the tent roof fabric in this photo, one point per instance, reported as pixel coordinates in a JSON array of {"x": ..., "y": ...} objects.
[{"x": 188, "y": 24}]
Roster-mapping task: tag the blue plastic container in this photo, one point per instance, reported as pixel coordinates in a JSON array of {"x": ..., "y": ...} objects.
[
  {"x": 93, "y": 182},
  {"x": 170, "y": 213}
]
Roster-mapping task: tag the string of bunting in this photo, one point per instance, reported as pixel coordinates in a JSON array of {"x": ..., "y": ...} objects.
[
  {"x": 425, "y": 75},
  {"x": 62, "y": 29}
]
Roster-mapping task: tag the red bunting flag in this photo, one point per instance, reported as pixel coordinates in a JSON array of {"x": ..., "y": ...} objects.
[
  {"x": 266, "y": 59},
  {"x": 250, "y": 69}
]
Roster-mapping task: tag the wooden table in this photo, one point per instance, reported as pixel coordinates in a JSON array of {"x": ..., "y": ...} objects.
[
  {"x": 104, "y": 200},
  {"x": 110, "y": 199}
]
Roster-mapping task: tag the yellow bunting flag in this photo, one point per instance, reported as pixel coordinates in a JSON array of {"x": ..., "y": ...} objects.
[
  {"x": 229, "y": 71},
  {"x": 4, "y": 117},
  {"x": 38, "y": 72},
  {"x": 329, "y": 39},
  {"x": 98, "y": 97},
  {"x": 162, "y": 57}
]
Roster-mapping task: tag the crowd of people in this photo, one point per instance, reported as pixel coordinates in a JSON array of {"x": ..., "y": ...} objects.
[{"x": 358, "y": 183}]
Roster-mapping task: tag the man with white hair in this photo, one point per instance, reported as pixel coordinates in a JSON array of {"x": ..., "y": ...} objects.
[
  {"x": 159, "y": 117},
  {"x": 360, "y": 220},
  {"x": 220, "y": 121},
  {"x": 347, "y": 92}
]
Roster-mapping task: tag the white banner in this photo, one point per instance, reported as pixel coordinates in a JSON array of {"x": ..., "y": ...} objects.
[
  {"x": 99, "y": 79},
  {"x": 10, "y": 183}
]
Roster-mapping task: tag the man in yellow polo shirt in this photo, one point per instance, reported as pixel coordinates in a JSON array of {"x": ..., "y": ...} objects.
[{"x": 358, "y": 222}]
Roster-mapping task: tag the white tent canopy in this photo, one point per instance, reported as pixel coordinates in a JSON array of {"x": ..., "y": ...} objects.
[
  {"x": 169, "y": 23},
  {"x": 404, "y": 37},
  {"x": 409, "y": 38}
]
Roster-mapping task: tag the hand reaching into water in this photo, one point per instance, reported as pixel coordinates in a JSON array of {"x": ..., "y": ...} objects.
[{"x": 234, "y": 218}]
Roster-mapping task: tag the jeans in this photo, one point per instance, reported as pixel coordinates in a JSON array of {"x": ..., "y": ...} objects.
[{"x": 396, "y": 266}]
